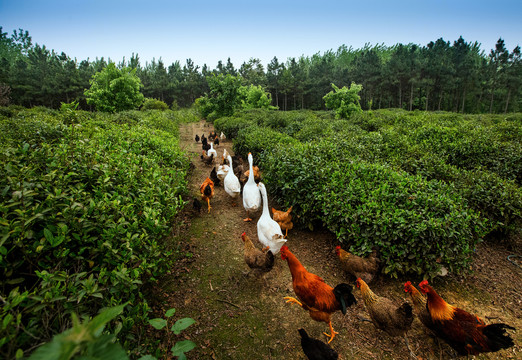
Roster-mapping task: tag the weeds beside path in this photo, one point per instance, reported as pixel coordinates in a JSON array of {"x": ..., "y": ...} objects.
[{"x": 241, "y": 317}]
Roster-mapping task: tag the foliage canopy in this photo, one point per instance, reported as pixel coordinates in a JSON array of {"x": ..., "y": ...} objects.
[
  {"x": 115, "y": 89},
  {"x": 344, "y": 101}
]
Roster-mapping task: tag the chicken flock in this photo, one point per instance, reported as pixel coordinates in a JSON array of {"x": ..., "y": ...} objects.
[{"x": 465, "y": 333}]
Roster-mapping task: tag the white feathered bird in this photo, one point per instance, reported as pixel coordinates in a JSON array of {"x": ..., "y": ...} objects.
[
  {"x": 231, "y": 182},
  {"x": 268, "y": 231},
  {"x": 251, "y": 194},
  {"x": 222, "y": 171},
  {"x": 212, "y": 151}
]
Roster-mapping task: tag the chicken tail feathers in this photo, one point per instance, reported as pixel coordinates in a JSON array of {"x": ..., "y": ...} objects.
[
  {"x": 343, "y": 294},
  {"x": 406, "y": 310},
  {"x": 497, "y": 336},
  {"x": 270, "y": 259}
]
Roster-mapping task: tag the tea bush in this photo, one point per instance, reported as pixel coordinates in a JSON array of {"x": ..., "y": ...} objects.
[
  {"x": 418, "y": 225},
  {"x": 414, "y": 182},
  {"x": 84, "y": 214}
]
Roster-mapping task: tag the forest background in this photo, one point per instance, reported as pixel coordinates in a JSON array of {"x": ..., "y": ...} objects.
[{"x": 455, "y": 76}]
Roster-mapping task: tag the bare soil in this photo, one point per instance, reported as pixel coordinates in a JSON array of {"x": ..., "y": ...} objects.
[{"x": 242, "y": 317}]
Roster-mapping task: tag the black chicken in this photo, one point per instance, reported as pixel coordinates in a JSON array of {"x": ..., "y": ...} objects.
[
  {"x": 214, "y": 177},
  {"x": 196, "y": 205},
  {"x": 216, "y": 141},
  {"x": 197, "y": 138},
  {"x": 315, "y": 349}
]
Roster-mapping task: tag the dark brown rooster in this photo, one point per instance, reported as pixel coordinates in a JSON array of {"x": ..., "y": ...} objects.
[
  {"x": 364, "y": 268},
  {"x": 466, "y": 333}
]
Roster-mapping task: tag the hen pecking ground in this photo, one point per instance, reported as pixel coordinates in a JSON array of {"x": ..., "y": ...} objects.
[{"x": 241, "y": 317}]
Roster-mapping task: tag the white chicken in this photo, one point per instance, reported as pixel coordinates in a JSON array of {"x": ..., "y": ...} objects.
[
  {"x": 251, "y": 194},
  {"x": 212, "y": 151},
  {"x": 231, "y": 182},
  {"x": 222, "y": 136},
  {"x": 268, "y": 231},
  {"x": 222, "y": 171}
]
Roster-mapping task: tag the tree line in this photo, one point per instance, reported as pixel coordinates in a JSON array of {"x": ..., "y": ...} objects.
[{"x": 441, "y": 75}]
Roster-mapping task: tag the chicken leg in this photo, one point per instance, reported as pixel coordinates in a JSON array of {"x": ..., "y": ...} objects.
[
  {"x": 332, "y": 331},
  {"x": 208, "y": 203},
  {"x": 291, "y": 300}
]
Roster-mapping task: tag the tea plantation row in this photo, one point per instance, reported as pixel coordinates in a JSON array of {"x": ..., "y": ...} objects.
[
  {"x": 86, "y": 203},
  {"x": 423, "y": 187}
]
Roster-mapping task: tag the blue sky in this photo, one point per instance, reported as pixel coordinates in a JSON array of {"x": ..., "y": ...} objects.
[{"x": 209, "y": 31}]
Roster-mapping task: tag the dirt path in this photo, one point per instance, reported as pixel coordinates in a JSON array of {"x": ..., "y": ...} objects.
[{"x": 241, "y": 317}]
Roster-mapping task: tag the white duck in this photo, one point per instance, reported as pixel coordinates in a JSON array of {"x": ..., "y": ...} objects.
[
  {"x": 222, "y": 171},
  {"x": 251, "y": 194},
  {"x": 231, "y": 182},
  {"x": 212, "y": 151},
  {"x": 268, "y": 231}
]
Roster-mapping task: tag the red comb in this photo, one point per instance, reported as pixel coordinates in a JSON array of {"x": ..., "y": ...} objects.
[
  {"x": 284, "y": 247},
  {"x": 338, "y": 247},
  {"x": 407, "y": 283},
  {"x": 423, "y": 283}
]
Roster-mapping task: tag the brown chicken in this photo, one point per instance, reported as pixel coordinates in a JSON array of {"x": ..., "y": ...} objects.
[
  {"x": 317, "y": 297},
  {"x": 419, "y": 304},
  {"x": 207, "y": 191},
  {"x": 466, "y": 333},
  {"x": 385, "y": 315},
  {"x": 259, "y": 261},
  {"x": 284, "y": 219},
  {"x": 257, "y": 174},
  {"x": 207, "y": 159},
  {"x": 364, "y": 268}
]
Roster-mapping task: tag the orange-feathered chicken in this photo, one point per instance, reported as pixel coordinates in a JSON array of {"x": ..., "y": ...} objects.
[
  {"x": 466, "y": 333},
  {"x": 207, "y": 191},
  {"x": 260, "y": 261},
  {"x": 364, "y": 268},
  {"x": 257, "y": 174},
  {"x": 317, "y": 297},
  {"x": 284, "y": 219},
  {"x": 385, "y": 315}
]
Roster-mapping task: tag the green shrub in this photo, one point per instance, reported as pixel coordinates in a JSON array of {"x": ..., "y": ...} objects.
[
  {"x": 295, "y": 174},
  {"x": 83, "y": 221},
  {"x": 154, "y": 104},
  {"x": 418, "y": 225},
  {"x": 259, "y": 141},
  {"x": 344, "y": 101},
  {"x": 230, "y": 126}
]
